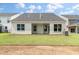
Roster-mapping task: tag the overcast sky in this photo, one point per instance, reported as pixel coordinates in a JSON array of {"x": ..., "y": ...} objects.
[{"x": 63, "y": 8}]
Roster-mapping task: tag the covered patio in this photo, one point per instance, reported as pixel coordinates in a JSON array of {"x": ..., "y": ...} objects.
[
  {"x": 40, "y": 28},
  {"x": 74, "y": 28}
]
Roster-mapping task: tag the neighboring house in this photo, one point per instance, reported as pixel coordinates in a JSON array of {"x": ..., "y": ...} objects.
[
  {"x": 73, "y": 23},
  {"x": 5, "y": 24},
  {"x": 38, "y": 23}
]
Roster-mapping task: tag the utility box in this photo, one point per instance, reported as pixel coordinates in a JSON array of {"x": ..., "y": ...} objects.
[{"x": 66, "y": 33}]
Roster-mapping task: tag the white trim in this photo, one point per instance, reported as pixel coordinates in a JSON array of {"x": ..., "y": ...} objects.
[
  {"x": 15, "y": 16},
  {"x": 76, "y": 30},
  {"x": 52, "y": 28}
]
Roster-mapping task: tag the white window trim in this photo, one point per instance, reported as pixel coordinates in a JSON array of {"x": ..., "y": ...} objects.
[
  {"x": 20, "y": 28},
  {"x": 57, "y": 27}
]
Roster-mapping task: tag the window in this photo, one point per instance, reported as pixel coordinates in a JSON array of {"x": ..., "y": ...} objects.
[
  {"x": 21, "y": 27},
  {"x": 8, "y": 21},
  {"x": 0, "y": 21},
  {"x": 57, "y": 27},
  {"x": 45, "y": 28},
  {"x": 72, "y": 30},
  {"x": 34, "y": 28},
  {"x": 6, "y": 27}
]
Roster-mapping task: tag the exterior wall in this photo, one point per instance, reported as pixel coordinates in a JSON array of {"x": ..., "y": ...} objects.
[
  {"x": 52, "y": 28},
  {"x": 27, "y": 28},
  {"x": 40, "y": 28},
  {"x": 4, "y": 23}
]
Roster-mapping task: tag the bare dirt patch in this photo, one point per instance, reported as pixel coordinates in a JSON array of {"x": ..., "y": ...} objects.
[{"x": 39, "y": 50}]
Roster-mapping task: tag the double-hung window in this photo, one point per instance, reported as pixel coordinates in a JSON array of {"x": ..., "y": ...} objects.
[
  {"x": 20, "y": 27},
  {"x": 57, "y": 27}
]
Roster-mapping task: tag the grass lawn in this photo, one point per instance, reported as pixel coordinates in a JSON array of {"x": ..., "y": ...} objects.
[{"x": 7, "y": 38}]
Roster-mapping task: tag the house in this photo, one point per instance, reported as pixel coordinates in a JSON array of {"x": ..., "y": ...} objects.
[
  {"x": 38, "y": 23},
  {"x": 5, "y": 24},
  {"x": 73, "y": 23}
]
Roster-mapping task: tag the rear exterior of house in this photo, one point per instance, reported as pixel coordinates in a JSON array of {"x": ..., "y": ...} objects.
[{"x": 38, "y": 23}]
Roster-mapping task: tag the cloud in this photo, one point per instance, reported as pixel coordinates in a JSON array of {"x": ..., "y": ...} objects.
[
  {"x": 57, "y": 5},
  {"x": 67, "y": 12},
  {"x": 50, "y": 8},
  {"x": 20, "y": 5},
  {"x": 76, "y": 6},
  {"x": 39, "y": 7},
  {"x": 53, "y": 6},
  {"x": 31, "y": 9},
  {"x": 40, "y": 1},
  {"x": 1, "y": 8},
  {"x": 70, "y": 10}
]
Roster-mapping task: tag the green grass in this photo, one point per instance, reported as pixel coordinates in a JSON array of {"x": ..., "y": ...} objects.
[{"x": 7, "y": 38}]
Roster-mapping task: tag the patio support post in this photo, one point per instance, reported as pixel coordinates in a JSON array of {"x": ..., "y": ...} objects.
[
  {"x": 66, "y": 28},
  {"x": 76, "y": 30}
]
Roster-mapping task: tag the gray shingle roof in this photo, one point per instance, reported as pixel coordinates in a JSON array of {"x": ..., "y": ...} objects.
[
  {"x": 71, "y": 16},
  {"x": 38, "y": 17},
  {"x": 72, "y": 19}
]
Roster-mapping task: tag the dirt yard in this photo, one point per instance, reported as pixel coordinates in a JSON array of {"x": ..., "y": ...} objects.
[{"x": 39, "y": 50}]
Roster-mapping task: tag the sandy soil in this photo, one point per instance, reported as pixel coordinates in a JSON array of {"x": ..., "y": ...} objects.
[{"x": 39, "y": 50}]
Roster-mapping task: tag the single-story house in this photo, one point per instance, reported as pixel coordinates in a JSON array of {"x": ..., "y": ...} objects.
[{"x": 38, "y": 23}]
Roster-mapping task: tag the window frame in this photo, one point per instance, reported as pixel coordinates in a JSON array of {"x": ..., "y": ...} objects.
[
  {"x": 0, "y": 21},
  {"x": 20, "y": 28},
  {"x": 6, "y": 28},
  {"x": 35, "y": 28},
  {"x": 57, "y": 28},
  {"x": 8, "y": 21}
]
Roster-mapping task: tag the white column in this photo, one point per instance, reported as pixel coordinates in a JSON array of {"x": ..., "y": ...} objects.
[
  {"x": 51, "y": 28},
  {"x": 76, "y": 30}
]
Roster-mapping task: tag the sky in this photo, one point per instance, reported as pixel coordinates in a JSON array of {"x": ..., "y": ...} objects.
[{"x": 57, "y": 8}]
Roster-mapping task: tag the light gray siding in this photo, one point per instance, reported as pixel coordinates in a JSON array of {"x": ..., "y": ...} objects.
[
  {"x": 26, "y": 31},
  {"x": 52, "y": 28}
]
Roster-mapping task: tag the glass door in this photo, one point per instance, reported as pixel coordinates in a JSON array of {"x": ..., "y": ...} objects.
[{"x": 46, "y": 29}]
